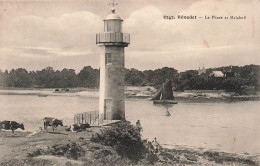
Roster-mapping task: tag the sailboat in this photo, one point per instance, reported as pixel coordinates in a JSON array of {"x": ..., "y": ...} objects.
[{"x": 164, "y": 95}]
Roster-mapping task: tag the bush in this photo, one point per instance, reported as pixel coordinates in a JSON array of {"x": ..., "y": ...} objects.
[
  {"x": 71, "y": 150},
  {"x": 124, "y": 138},
  {"x": 151, "y": 158}
]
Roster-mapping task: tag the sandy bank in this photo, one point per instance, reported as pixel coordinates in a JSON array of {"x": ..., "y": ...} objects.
[{"x": 138, "y": 92}]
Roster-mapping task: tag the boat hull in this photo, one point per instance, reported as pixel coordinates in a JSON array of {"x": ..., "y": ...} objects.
[{"x": 165, "y": 102}]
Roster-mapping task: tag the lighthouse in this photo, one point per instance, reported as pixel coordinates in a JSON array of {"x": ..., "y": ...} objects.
[{"x": 112, "y": 63}]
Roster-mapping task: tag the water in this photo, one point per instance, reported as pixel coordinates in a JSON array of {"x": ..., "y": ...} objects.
[{"x": 230, "y": 127}]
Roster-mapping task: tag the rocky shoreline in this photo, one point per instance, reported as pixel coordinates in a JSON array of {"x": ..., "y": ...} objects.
[{"x": 72, "y": 148}]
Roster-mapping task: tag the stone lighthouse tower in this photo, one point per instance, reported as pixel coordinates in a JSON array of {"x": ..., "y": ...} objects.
[{"x": 112, "y": 62}]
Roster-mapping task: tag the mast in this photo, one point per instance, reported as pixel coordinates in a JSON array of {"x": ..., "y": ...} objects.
[{"x": 165, "y": 93}]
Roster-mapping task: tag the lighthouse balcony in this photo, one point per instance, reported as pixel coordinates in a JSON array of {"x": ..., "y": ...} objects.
[{"x": 112, "y": 38}]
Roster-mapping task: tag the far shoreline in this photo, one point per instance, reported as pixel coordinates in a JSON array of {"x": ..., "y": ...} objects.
[{"x": 146, "y": 92}]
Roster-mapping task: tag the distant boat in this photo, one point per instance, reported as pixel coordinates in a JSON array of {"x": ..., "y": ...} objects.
[
  {"x": 42, "y": 95},
  {"x": 165, "y": 94}
]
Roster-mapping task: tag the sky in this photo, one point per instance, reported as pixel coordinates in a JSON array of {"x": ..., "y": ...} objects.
[{"x": 35, "y": 34}]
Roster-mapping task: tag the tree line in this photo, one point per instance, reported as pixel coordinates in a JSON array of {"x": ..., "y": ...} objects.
[
  {"x": 50, "y": 78},
  {"x": 235, "y": 78}
]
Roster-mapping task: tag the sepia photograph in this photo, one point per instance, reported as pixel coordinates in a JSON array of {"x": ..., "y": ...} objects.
[{"x": 129, "y": 82}]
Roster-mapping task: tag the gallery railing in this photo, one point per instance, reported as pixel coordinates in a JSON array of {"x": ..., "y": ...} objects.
[{"x": 113, "y": 37}]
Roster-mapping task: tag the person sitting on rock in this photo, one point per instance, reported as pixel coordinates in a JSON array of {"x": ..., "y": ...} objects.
[
  {"x": 156, "y": 146},
  {"x": 138, "y": 125}
]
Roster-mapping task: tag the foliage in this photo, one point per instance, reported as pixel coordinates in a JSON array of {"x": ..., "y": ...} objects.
[
  {"x": 88, "y": 77},
  {"x": 151, "y": 158},
  {"x": 71, "y": 150},
  {"x": 235, "y": 78},
  {"x": 133, "y": 77},
  {"x": 18, "y": 78},
  {"x": 124, "y": 138},
  {"x": 49, "y": 78}
]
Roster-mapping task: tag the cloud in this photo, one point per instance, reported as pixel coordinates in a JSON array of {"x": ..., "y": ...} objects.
[
  {"x": 148, "y": 22},
  {"x": 71, "y": 29},
  {"x": 44, "y": 51},
  {"x": 33, "y": 41},
  {"x": 188, "y": 42},
  {"x": 35, "y": 38}
]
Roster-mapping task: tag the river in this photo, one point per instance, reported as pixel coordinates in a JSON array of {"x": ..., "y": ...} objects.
[{"x": 230, "y": 127}]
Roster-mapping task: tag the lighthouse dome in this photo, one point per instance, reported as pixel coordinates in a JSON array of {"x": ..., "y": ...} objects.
[{"x": 113, "y": 16}]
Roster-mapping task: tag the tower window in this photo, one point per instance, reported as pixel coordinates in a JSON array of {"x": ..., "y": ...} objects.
[{"x": 108, "y": 57}]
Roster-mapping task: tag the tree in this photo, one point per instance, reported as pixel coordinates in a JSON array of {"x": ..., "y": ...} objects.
[
  {"x": 188, "y": 79},
  {"x": 2, "y": 78},
  {"x": 133, "y": 77},
  {"x": 159, "y": 76},
  {"x": 45, "y": 77},
  {"x": 88, "y": 77},
  {"x": 68, "y": 78},
  {"x": 18, "y": 78},
  {"x": 148, "y": 77}
]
